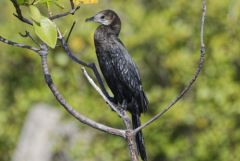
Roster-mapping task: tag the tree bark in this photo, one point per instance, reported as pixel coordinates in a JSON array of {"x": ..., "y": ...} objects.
[{"x": 132, "y": 145}]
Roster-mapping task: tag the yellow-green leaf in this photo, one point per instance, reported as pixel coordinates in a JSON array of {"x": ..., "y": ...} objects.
[
  {"x": 78, "y": 2},
  {"x": 35, "y": 13},
  {"x": 46, "y": 30}
]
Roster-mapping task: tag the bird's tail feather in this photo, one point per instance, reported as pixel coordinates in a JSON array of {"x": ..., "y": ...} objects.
[
  {"x": 139, "y": 137},
  {"x": 144, "y": 102}
]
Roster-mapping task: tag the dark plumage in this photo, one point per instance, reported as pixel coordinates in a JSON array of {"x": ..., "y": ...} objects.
[{"x": 119, "y": 70}]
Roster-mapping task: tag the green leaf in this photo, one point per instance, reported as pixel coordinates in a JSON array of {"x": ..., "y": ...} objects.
[
  {"x": 46, "y": 30},
  {"x": 58, "y": 4},
  {"x": 35, "y": 13}
]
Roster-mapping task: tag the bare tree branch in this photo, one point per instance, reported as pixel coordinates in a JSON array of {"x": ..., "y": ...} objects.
[
  {"x": 2, "y": 39},
  {"x": 62, "y": 101},
  {"x": 197, "y": 72},
  {"x": 130, "y": 137}
]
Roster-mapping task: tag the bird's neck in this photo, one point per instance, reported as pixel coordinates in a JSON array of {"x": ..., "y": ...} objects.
[
  {"x": 111, "y": 30},
  {"x": 116, "y": 26}
]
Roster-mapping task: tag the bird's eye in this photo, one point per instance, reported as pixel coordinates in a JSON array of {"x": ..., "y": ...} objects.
[{"x": 102, "y": 17}]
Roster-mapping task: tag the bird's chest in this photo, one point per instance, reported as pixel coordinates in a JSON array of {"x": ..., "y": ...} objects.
[
  {"x": 106, "y": 50},
  {"x": 108, "y": 56},
  {"x": 107, "y": 59}
]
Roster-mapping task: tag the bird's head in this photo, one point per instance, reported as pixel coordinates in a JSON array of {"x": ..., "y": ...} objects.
[{"x": 105, "y": 17}]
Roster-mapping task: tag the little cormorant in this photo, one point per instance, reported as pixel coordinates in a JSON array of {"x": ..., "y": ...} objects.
[{"x": 119, "y": 70}]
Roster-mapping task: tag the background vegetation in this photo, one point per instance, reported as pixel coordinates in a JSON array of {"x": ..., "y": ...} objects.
[{"x": 163, "y": 38}]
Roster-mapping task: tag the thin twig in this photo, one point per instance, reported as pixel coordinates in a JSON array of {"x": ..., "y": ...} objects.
[
  {"x": 70, "y": 32},
  {"x": 114, "y": 107},
  {"x": 2, "y": 39},
  {"x": 62, "y": 101},
  {"x": 27, "y": 34},
  {"x": 72, "y": 4},
  {"x": 33, "y": 2},
  {"x": 19, "y": 13},
  {"x": 197, "y": 72},
  {"x": 72, "y": 12}
]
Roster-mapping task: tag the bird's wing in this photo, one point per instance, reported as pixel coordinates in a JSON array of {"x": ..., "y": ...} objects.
[
  {"x": 125, "y": 67},
  {"x": 126, "y": 73}
]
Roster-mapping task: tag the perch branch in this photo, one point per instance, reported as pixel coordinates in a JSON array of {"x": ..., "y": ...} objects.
[
  {"x": 119, "y": 110},
  {"x": 62, "y": 101},
  {"x": 197, "y": 72},
  {"x": 130, "y": 136},
  {"x": 114, "y": 107}
]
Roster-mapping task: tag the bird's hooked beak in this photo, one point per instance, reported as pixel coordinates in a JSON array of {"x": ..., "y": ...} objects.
[{"x": 91, "y": 19}]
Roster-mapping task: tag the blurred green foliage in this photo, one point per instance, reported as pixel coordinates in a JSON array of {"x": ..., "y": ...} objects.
[{"x": 163, "y": 38}]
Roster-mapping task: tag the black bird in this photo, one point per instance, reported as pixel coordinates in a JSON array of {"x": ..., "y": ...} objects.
[{"x": 119, "y": 70}]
